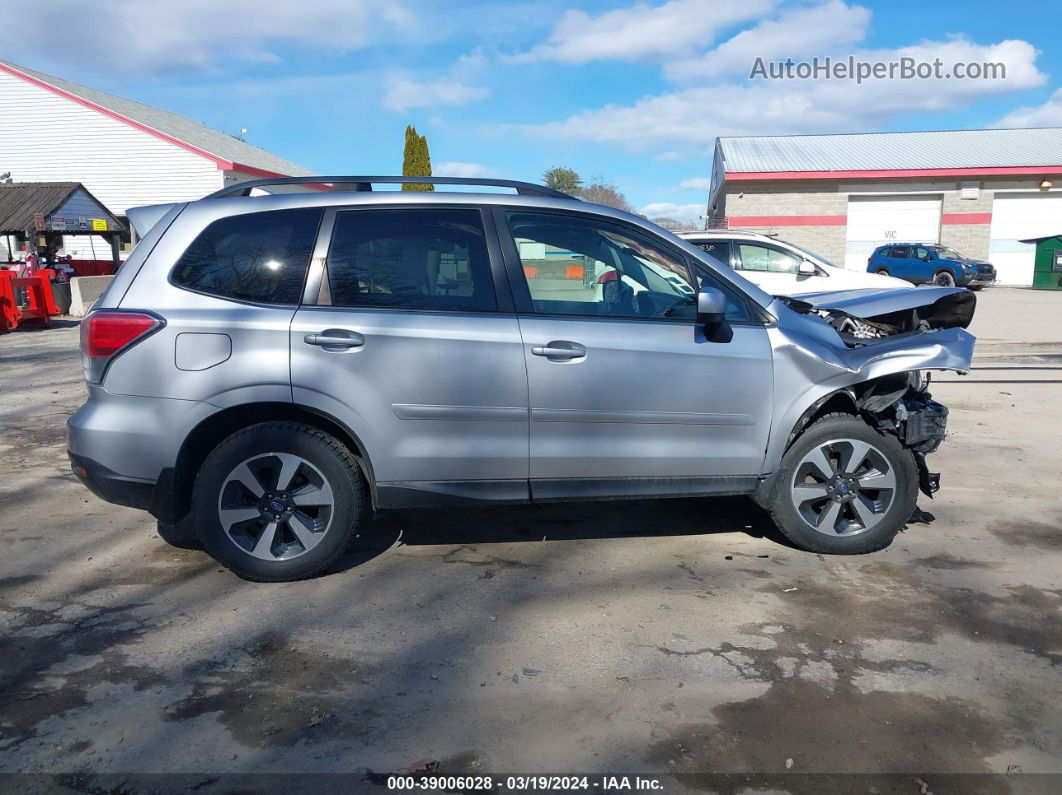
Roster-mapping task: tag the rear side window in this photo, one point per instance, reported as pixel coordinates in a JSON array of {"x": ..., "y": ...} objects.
[
  {"x": 411, "y": 259},
  {"x": 720, "y": 249},
  {"x": 900, "y": 252},
  {"x": 258, "y": 257}
]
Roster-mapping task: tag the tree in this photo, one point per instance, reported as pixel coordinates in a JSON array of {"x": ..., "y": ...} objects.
[
  {"x": 674, "y": 225},
  {"x": 601, "y": 192},
  {"x": 416, "y": 161},
  {"x": 564, "y": 179}
]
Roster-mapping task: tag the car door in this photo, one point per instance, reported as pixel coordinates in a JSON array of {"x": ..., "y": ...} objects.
[
  {"x": 404, "y": 338},
  {"x": 627, "y": 396},
  {"x": 901, "y": 265},
  {"x": 775, "y": 270}
]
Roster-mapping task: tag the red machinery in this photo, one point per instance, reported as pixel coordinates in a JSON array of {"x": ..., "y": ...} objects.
[{"x": 39, "y": 294}]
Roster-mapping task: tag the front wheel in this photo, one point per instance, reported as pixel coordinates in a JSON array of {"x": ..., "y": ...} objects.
[
  {"x": 278, "y": 501},
  {"x": 844, "y": 488},
  {"x": 944, "y": 279}
]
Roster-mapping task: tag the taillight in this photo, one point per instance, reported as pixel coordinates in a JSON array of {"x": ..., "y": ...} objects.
[{"x": 105, "y": 333}]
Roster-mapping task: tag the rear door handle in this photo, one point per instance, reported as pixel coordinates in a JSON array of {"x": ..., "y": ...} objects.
[
  {"x": 335, "y": 339},
  {"x": 559, "y": 349}
]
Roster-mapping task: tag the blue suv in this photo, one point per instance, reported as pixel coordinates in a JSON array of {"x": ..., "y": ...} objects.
[{"x": 922, "y": 263}]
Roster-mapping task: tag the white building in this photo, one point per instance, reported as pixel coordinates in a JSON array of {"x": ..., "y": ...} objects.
[
  {"x": 126, "y": 153},
  {"x": 981, "y": 192}
]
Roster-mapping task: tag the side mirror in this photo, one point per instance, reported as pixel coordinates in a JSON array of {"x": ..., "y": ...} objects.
[
  {"x": 711, "y": 313},
  {"x": 807, "y": 268}
]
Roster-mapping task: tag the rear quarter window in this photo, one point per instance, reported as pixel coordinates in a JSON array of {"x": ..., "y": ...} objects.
[{"x": 256, "y": 257}]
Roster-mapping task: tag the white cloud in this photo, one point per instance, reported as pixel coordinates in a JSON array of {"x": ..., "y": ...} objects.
[
  {"x": 455, "y": 87},
  {"x": 696, "y": 183},
  {"x": 1047, "y": 115},
  {"x": 680, "y": 212},
  {"x": 695, "y": 116},
  {"x": 797, "y": 32},
  {"x": 404, "y": 92},
  {"x": 459, "y": 169},
  {"x": 641, "y": 31},
  {"x": 154, "y": 37}
]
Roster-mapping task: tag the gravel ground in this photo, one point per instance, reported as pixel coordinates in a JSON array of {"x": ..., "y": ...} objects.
[{"x": 666, "y": 638}]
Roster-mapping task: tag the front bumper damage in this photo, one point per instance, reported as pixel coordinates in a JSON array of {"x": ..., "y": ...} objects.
[
  {"x": 907, "y": 410},
  {"x": 869, "y": 352}
]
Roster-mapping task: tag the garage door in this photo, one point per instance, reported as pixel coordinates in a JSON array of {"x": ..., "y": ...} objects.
[
  {"x": 1019, "y": 217},
  {"x": 874, "y": 221}
]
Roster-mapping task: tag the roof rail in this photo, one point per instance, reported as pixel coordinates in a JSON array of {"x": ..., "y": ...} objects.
[{"x": 360, "y": 184}]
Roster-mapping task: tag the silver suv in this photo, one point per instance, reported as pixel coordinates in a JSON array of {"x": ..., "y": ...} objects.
[{"x": 269, "y": 368}]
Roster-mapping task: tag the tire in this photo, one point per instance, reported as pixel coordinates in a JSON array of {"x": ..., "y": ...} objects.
[
  {"x": 883, "y": 272},
  {"x": 973, "y": 288},
  {"x": 855, "y": 528},
  {"x": 277, "y": 531},
  {"x": 943, "y": 279}
]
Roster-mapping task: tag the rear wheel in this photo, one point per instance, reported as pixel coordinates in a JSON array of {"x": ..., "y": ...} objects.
[
  {"x": 882, "y": 272},
  {"x": 944, "y": 279},
  {"x": 277, "y": 501},
  {"x": 843, "y": 488}
]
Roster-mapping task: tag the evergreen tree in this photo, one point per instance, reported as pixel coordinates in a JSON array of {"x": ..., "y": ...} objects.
[
  {"x": 564, "y": 179},
  {"x": 409, "y": 155},
  {"x": 416, "y": 162}
]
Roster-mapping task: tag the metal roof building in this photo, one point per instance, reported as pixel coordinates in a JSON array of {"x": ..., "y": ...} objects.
[
  {"x": 980, "y": 191},
  {"x": 124, "y": 152}
]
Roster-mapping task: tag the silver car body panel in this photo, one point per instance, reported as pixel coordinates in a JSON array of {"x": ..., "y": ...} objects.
[{"x": 451, "y": 398}]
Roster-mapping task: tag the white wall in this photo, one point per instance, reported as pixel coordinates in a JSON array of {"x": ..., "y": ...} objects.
[{"x": 47, "y": 138}]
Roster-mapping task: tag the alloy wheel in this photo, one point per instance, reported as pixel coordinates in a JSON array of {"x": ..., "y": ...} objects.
[
  {"x": 275, "y": 506},
  {"x": 843, "y": 487}
]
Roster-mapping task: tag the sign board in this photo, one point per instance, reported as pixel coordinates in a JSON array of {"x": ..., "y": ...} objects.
[
  {"x": 1057, "y": 267},
  {"x": 99, "y": 225},
  {"x": 38, "y": 220},
  {"x": 58, "y": 223},
  {"x": 82, "y": 222}
]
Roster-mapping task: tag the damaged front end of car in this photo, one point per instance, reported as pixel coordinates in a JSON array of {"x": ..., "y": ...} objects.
[{"x": 869, "y": 353}]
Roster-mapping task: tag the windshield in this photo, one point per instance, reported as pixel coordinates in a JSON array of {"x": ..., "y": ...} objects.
[{"x": 947, "y": 253}]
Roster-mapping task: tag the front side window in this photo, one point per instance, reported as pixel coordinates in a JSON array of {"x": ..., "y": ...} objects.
[
  {"x": 257, "y": 257},
  {"x": 947, "y": 253},
  {"x": 411, "y": 259},
  {"x": 578, "y": 266},
  {"x": 771, "y": 260},
  {"x": 922, "y": 254}
]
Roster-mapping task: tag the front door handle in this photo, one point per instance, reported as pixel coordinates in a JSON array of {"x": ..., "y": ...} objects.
[
  {"x": 333, "y": 339},
  {"x": 559, "y": 350}
]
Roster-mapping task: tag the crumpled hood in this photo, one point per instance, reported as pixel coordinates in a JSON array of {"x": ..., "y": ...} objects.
[{"x": 940, "y": 307}]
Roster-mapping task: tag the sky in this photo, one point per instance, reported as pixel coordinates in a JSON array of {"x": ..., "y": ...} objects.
[{"x": 634, "y": 93}]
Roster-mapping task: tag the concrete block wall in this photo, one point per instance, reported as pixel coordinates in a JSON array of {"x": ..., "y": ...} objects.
[
  {"x": 789, "y": 198},
  {"x": 84, "y": 292}
]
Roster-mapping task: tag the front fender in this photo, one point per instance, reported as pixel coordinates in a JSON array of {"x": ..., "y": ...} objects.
[{"x": 809, "y": 366}]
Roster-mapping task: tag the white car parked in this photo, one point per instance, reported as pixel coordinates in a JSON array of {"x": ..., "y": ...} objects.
[{"x": 781, "y": 268}]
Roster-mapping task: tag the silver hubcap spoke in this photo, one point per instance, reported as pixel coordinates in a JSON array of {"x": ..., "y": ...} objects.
[
  {"x": 276, "y": 506},
  {"x": 843, "y": 487},
  {"x": 313, "y": 495},
  {"x": 250, "y": 481},
  {"x": 264, "y": 545}
]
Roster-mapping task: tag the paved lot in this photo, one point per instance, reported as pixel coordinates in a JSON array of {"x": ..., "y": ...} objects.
[{"x": 666, "y": 637}]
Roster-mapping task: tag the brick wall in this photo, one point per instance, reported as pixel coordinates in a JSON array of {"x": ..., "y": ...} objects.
[{"x": 760, "y": 199}]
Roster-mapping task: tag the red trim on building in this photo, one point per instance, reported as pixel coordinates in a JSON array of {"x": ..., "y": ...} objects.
[
  {"x": 735, "y": 221},
  {"x": 740, "y": 176},
  {"x": 243, "y": 168},
  {"x": 951, "y": 219}
]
